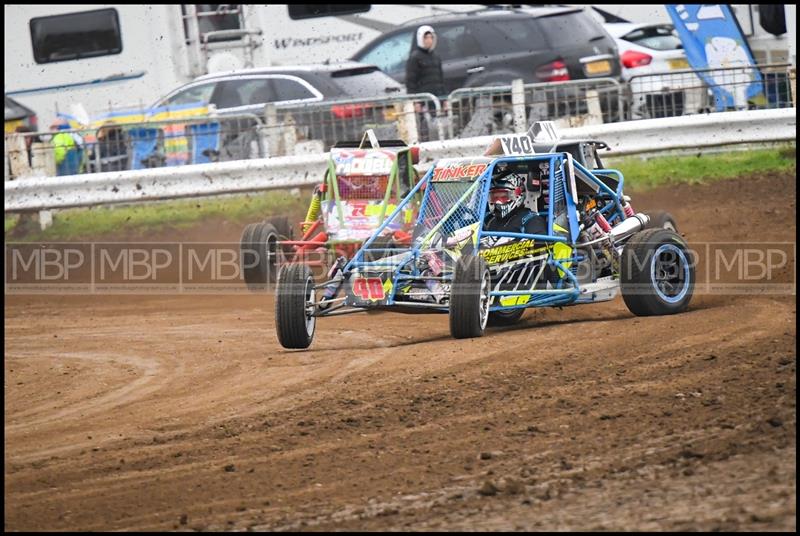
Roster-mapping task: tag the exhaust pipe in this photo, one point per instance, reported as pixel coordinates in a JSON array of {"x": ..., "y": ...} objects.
[{"x": 631, "y": 225}]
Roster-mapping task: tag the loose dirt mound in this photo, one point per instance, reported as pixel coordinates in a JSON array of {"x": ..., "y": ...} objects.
[{"x": 164, "y": 412}]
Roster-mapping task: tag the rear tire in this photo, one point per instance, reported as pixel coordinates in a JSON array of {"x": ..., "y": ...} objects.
[
  {"x": 469, "y": 298},
  {"x": 259, "y": 255},
  {"x": 283, "y": 226},
  {"x": 294, "y": 325},
  {"x": 662, "y": 220},
  {"x": 657, "y": 273},
  {"x": 505, "y": 318}
]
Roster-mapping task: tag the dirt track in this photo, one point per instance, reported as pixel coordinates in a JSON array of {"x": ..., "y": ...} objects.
[{"x": 183, "y": 412}]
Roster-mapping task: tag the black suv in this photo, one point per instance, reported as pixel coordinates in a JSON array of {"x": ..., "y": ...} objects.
[{"x": 494, "y": 46}]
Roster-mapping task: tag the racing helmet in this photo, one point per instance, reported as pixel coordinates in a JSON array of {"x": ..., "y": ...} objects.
[{"x": 505, "y": 194}]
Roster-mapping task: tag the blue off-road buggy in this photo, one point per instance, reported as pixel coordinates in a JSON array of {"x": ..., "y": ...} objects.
[{"x": 595, "y": 245}]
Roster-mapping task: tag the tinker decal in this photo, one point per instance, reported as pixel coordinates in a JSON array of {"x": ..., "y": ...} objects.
[{"x": 455, "y": 172}]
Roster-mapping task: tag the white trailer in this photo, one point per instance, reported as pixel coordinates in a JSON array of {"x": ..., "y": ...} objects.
[{"x": 116, "y": 56}]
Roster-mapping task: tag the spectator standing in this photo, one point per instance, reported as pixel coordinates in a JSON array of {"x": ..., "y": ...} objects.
[
  {"x": 67, "y": 147},
  {"x": 424, "y": 74}
]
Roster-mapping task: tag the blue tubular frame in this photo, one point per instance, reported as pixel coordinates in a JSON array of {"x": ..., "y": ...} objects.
[
  {"x": 615, "y": 196},
  {"x": 537, "y": 298}
]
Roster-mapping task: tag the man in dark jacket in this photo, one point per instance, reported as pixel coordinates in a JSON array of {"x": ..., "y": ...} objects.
[{"x": 424, "y": 74}]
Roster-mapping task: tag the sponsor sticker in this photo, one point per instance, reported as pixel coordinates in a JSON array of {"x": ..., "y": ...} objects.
[{"x": 458, "y": 172}]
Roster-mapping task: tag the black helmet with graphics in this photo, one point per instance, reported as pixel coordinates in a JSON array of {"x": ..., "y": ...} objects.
[{"x": 505, "y": 194}]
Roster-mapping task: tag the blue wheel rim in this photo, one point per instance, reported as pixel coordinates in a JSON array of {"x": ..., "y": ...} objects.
[{"x": 669, "y": 273}]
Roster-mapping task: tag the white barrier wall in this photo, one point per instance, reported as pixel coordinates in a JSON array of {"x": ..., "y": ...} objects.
[{"x": 650, "y": 135}]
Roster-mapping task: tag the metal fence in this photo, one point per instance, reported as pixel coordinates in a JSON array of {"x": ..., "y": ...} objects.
[
  {"x": 501, "y": 109},
  {"x": 686, "y": 92},
  {"x": 313, "y": 128},
  {"x": 401, "y": 116},
  {"x": 131, "y": 146}
]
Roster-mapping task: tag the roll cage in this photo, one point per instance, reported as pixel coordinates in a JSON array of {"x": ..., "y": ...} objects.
[{"x": 566, "y": 180}]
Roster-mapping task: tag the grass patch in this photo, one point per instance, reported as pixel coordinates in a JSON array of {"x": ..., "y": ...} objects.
[
  {"x": 643, "y": 174},
  {"x": 153, "y": 217},
  {"x": 11, "y": 222}
]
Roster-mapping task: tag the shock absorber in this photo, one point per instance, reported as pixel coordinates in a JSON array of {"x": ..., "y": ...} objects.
[
  {"x": 602, "y": 222},
  {"x": 628, "y": 210},
  {"x": 313, "y": 209}
]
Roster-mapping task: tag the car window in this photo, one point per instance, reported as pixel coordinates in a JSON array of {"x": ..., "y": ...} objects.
[
  {"x": 570, "y": 29},
  {"x": 201, "y": 93},
  {"x": 233, "y": 93},
  {"x": 14, "y": 110},
  {"x": 453, "y": 42},
  {"x": 503, "y": 36},
  {"x": 288, "y": 89},
  {"x": 366, "y": 81},
  {"x": 656, "y": 38},
  {"x": 391, "y": 54}
]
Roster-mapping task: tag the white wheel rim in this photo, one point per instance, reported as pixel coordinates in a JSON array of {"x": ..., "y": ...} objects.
[
  {"x": 311, "y": 294},
  {"x": 484, "y": 304}
]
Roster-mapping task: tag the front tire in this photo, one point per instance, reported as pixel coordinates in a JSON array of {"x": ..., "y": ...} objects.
[
  {"x": 294, "y": 296},
  {"x": 657, "y": 273},
  {"x": 469, "y": 298}
]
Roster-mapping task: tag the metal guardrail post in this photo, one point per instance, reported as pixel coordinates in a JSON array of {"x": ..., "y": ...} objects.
[
  {"x": 271, "y": 126},
  {"x": 518, "y": 105},
  {"x": 17, "y": 155},
  {"x": 43, "y": 159},
  {"x": 593, "y": 104},
  {"x": 408, "y": 123}
]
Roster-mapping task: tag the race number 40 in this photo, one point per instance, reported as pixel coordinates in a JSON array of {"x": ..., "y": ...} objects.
[{"x": 369, "y": 288}]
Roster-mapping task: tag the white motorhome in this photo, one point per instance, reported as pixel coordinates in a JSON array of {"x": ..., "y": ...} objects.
[{"x": 116, "y": 56}]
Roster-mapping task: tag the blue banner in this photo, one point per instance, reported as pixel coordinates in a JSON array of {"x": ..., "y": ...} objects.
[{"x": 712, "y": 39}]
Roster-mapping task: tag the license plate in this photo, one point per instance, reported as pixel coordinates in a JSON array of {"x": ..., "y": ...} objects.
[
  {"x": 680, "y": 63},
  {"x": 598, "y": 67}
]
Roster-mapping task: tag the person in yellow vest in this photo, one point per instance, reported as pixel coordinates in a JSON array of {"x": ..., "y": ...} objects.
[{"x": 68, "y": 148}]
